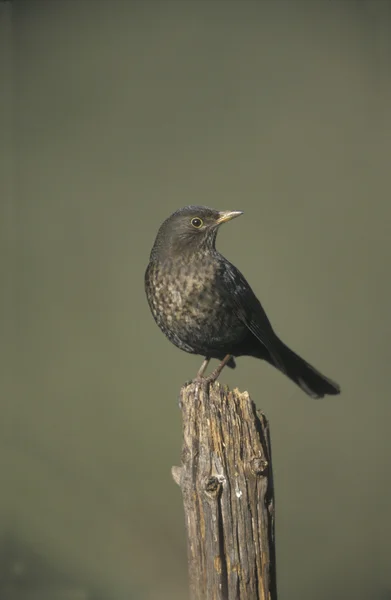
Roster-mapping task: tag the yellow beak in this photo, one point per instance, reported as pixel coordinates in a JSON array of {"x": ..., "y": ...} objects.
[{"x": 227, "y": 215}]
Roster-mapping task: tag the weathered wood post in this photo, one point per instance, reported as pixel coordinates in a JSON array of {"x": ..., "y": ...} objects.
[{"x": 227, "y": 486}]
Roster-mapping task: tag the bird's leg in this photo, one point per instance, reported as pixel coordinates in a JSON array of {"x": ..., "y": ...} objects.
[
  {"x": 202, "y": 368},
  {"x": 214, "y": 375}
]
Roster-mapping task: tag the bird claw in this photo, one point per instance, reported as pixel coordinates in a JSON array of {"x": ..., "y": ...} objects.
[{"x": 206, "y": 380}]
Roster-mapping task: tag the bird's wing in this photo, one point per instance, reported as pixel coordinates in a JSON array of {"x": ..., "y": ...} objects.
[{"x": 249, "y": 310}]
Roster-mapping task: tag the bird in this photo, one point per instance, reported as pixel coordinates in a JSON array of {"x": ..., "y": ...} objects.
[{"x": 205, "y": 306}]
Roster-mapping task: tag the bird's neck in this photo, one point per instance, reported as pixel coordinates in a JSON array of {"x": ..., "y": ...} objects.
[{"x": 184, "y": 252}]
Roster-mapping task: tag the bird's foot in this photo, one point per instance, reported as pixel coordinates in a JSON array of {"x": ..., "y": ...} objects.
[
  {"x": 203, "y": 382},
  {"x": 202, "y": 369},
  {"x": 215, "y": 374},
  {"x": 200, "y": 377}
]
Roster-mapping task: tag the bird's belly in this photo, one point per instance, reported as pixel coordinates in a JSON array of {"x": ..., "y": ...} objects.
[{"x": 195, "y": 318}]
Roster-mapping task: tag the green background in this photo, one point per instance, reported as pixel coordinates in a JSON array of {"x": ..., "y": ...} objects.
[{"x": 118, "y": 114}]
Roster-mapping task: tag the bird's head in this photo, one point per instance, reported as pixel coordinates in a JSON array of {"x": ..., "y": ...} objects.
[{"x": 191, "y": 229}]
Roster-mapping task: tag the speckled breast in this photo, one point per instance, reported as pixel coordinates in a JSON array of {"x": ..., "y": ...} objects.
[{"x": 189, "y": 308}]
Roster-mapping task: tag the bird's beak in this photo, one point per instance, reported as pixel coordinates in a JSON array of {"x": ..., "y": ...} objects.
[{"x": 227, "y": 215}]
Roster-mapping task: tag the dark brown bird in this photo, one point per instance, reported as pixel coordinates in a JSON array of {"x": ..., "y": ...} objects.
[{"x": 205, "y": 306}]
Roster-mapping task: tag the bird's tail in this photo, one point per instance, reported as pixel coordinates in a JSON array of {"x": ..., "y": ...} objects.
[{"x": 309, "y": 379}]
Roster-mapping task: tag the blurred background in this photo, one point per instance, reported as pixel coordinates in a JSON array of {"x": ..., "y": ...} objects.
[{"x": 114, "y": 114}]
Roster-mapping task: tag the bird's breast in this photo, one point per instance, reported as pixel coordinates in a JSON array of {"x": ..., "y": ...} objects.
[
  {"x": 188, "y": 305},
  {"x": 175, "y": 290}
]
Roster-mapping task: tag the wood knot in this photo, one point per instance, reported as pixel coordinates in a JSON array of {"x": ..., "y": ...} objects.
[
  {"x": 213, "y": 485},
  {"x": 259, "y": 466}
]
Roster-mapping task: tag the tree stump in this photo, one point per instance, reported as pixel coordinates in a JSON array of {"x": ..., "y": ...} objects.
[{"x": 227, "y": 486}]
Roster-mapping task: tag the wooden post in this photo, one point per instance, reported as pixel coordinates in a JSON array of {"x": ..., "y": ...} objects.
[{"x": 227, "y": 486}]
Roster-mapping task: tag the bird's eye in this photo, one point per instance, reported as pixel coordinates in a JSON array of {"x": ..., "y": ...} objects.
[{"x": 197, "y": 222}]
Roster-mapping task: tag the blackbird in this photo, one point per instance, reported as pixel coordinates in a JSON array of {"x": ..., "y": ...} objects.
[{"x": 205, "y": 306}]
